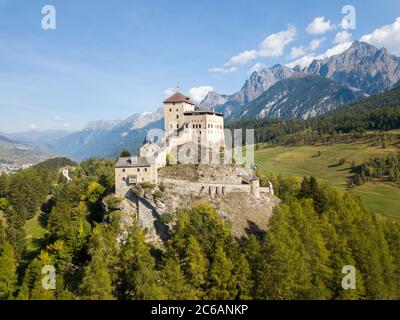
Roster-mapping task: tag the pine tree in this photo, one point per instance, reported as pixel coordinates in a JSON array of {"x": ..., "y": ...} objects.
[
  {"x": 195, "y": 264},
  {"x": 139, "y": 277},
  {"x": 8, "y": 271},
  {"x": 242, "y": 274},
  {"x": 174, "y": 283},
  {"x": 222, "y": 283},
  {"x": 307, "y": 224},
  {"x": 96, "y": 283},
  {"x": 32, "y": 286},
  {"x": 283, "y": 273}
]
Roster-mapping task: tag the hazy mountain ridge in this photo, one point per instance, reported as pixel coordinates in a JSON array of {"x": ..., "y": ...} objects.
[
  {"x": 22, "y": 153},
  {"x": 108, "y": 140}
]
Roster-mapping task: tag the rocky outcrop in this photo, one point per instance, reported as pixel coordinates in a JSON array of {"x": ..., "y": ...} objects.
[
  {"x": 362, "y": 66},
  {"x": 258, "y": 83}
]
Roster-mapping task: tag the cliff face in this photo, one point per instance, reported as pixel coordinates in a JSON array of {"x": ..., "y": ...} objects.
[
  {"x": 183, "y": 187},
  {"x": 243, "y": 211}
]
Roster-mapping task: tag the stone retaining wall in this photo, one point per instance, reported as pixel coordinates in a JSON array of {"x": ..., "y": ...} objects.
[{"x": 211, "y": 188}]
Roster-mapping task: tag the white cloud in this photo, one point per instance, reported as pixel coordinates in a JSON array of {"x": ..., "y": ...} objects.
[
  {"x": 296, "y": 52},
  {"x": 387, "y": 36},
  {"x": 307, "y": 59},
  {"x": 197, "y": 94},
  {"x": 257, "y": 67},
  {"x": 319, "y": 26},
  {"x": 272, "y": 46},
  {"x": 243, "y": 58},
  {"x": 169, "y": 92},
  {"x": 34, "y": 126},
  {"x": 66, "y": 124},
  {"x": 222, "y": 70},
  {"x": 342, "y": 36},
  {"x": 57, "y": 118},
  {"x": 316, "y": 43}
]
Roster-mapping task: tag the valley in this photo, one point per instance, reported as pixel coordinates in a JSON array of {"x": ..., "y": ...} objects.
[{"x": 299, "y": 161}]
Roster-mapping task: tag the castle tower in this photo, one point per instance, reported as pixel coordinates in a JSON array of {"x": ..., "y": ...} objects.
[{"x": 174, "y": 108}]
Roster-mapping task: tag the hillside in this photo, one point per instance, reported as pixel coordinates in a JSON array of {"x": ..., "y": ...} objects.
[
  {"x": 361, "y": 69},
  {"x": 379, "y": 113},
  {"x": 106, "y": 142},
  {"x": 378, "y": 197},
  {"x": 300, "y": 97},
  {"x": 21, "y": 153},
  {"x": 79, "y": 225}
]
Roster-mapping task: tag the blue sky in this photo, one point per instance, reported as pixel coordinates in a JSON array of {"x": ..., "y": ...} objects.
[{"x": 110, "y": 59}]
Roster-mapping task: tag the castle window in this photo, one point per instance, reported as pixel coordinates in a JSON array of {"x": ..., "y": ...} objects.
[
  {"x": 123, "y": 170},
  {"x": 170, "y": 110},
  {"x": 145, "y": 169},
  {"x": 138, "y": 169},
  {"x": 177, "y": 117}
]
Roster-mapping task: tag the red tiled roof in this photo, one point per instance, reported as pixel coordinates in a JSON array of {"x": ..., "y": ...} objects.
[{"x": 178, "y": 97}]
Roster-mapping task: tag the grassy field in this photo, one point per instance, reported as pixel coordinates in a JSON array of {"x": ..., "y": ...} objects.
[
  {"x": 304, "y": 161},
  {"x": 34, "y": 233}
]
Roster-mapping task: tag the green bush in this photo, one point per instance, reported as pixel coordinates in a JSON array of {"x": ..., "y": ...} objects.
[{"x": 166, "y": 218}]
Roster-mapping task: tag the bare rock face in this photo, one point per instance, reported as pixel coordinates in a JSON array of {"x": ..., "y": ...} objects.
[
  {"x": 181, "y": 187},
  {"x": 259, "y": 82},
  {"x": 243, "y": 211},
  {"x": 212, "y": 100},
  {"x": 127, "y": 218},
  {"x": 262, "y": 80},
  {"x": 362, "y": 66}
]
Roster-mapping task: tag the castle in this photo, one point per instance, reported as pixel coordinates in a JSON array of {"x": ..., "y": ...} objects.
[
  {"x": 183, "y": 123},
  {"x": 184, "y": 126}
]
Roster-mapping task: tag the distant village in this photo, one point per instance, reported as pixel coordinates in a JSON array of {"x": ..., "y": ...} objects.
[{"x": 9, "y": 168}]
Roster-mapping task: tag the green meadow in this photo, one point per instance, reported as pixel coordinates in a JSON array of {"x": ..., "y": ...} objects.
[
  {"x": 322, "y": 161},
  {"x": 34, "y": 233}
]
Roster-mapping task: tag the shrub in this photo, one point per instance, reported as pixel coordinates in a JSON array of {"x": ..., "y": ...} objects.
[
  {"x": 166, "y": 218},
  {"x": 158, "y": 194}
]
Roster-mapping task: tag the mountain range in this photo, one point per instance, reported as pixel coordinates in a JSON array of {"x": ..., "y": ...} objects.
[
  {"x": 22, "y": 153},
  {"x": 275, "y": 92},
  {"x": 360, "y": 70},
  {"x": 302, "y": 96}
]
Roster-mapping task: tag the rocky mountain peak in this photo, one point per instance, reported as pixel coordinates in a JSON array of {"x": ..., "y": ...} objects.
[{"x": 362, "y": 66}]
